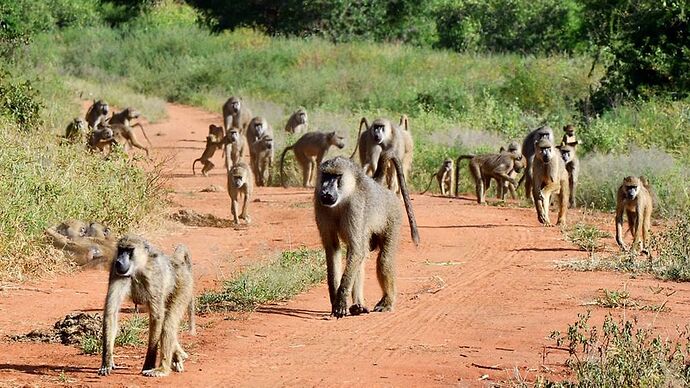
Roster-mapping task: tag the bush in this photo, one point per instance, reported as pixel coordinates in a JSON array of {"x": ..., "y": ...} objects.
[{"x": 19, "y": 102}]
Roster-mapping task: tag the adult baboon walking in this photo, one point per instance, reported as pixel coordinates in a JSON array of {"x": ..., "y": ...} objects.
[
  {"x": 528, "y": 149},
  {"x": 309, "y": 151}
]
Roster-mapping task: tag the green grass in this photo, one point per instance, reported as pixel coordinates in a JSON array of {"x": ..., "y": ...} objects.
[
  {"x": 586, "y": 237},
  {"x": 278, "y": 280},
  {"x": 131, "y": 333}
]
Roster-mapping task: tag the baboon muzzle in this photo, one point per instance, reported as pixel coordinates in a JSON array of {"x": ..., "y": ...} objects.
[
  {"x": 327, "y": 198},
  {"x": 122, "y": 264}
]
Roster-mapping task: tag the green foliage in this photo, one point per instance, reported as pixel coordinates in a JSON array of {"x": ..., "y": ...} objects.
[
  {"x": 621, "y": 354},
  {"x": 18, "y": 102},
  {"x": 673, "y": 250},
  {"x": 278, "y": 280},
  {"x": 130, "y": 334},
  {"x": 586, "y": 236}
]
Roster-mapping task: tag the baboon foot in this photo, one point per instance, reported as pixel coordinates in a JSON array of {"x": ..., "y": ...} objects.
[
  {"x": 105, "y": 370},
  {"x": 158, "y": 372},
  {"x": 204, "y": 173},
  {"x": 339, "y": 308},
  {"x": 385, "y": 304},
  {"x": 246, "y": 219},
  {"x": 358, "y": 309},
  {"x": 561, "y": 222}
]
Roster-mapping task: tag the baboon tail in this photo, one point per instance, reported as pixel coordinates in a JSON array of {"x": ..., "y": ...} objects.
[
  {"x": 182, "y": 254},
  {"x": 192, "y": 317},
  {"x": 359, "y": 133},
  {"x": 414, "y": 232},
  {"x": 193, "y": 164},
  {"x": 282, "y": 158},
  {"x": 144, "y": 132},
  {"x": 457, "y": 172},
  {"x": 522, "y": 179},
  {"x": 429, "y": 185}
]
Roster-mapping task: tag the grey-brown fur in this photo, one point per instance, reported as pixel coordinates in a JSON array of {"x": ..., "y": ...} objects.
[
  {"x": 236, "y": 114},
  {"x": 549, "y": 177},
  {"x": 634, "y": 198},
  {"x": 309, "y": 151},
  {"x": 298, "y": 122},
  {"x": 97, "y": 113},
  {"x": 490, "y": 166},
  {"x": 528, "y": 147},
  {"x": 261, "y": 159},
  {"x": 240, "y": 184}
]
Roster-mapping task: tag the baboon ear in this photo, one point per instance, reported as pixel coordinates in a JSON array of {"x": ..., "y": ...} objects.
[
  {"x": 147, "y": 246},
  {"x": 502, "y": 149}
]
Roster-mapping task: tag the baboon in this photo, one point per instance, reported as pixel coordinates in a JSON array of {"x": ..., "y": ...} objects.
[
  {"x": 97, "y": 113},
  {"x": 261, "y": 160},
  {"x": 351, "y": 206},
  {"x": 124, "y": 135},
  {"x": 298, "y": 121},
  {"x": 217, "y": 132},
  {"x": 125, "y": 118},
  {"x": 257, "y": 128},
  {"x": 634, "y": 198},
  {"x": 100, "y": 139},
  {"x": 505, "y": 186},
  {"x": 528, "y": 147},
  {"x": 88, "y": 244},
  {"x": 235, "y": 141},
  {"x": 76, "y": 130},
  {"x": 211, "y": 147},
  {"x": 572, "y": 165},
  {"x": 240, "y": 182},
  {"x": 490, "y": 166},
  {"x": 550, "y": 177},
  {"x": 166, "y": 286},
  {"x": 382, "y": 136},
  {"x": 444, "y": 176},
  {"x": 309, "y": 151},
  {"x": 236, "y": 114},
  {"x": 569, "y": 137}
]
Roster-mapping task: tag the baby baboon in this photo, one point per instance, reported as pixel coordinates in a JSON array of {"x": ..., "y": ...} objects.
[
  {"x": 125, "y": 118},
  {"x": 211, "y": 147},
  {"x": 76, "y": 130},
  {"x": 572, "y": 165},
  {"x": 216, "y": 132},
  {"x": 550, "y": 177},
  {"x": 88, "y": 244},
  {"x": 166, "y": 286},
  {"x": 261, "y": 159},
  {"x": 569, "y": 137},
  {"x": 101, "y": 138},
  {"x": 444, "y": 176},
  {"x": 97, "y": 113},
  {"x": 528, "y": 147},
  {"x": 257, "y": 128},
  {"x": 236, "y": 114},
  {"x": 635, "y": 200},
  {"x": 351, "y": 206},
  {"x": 505, "y": 186},
  {"x": 240, "y": 182},
  {"x": 235, "y": 142},
  {"x": 298, "y": 122},
  {"x": 124, "y": 135},
  {"x": 309, "y": 151},
  {"x": 382, "y": 136},
  {"x": 490, "y": 166}
]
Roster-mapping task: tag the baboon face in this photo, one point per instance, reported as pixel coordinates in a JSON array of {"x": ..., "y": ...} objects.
[
  {"x": 260, "y": 127},
  {"x": 380, "y": 130},
  {"x": 513, "y": 147},
  {"x": 519, "y": 162},
  {"x": 239, "y": 176},
  {"x": 569, "y": 130},
  {"x": 336, "y": 140},
  {"x": 235, "y": 105},
  {"x": 79, "y": 124},
  {"x": 566, "y": 154},
  {"x": 301, "y": 116},
  {"x": 131, "y": 255},
  {"x": 101, "y": 107},
  {"x": 98, "y": 230},
  {"x": 631, "y": 185},
  {"x": 448, "y": 164},
  {"x": 544, "y": 150},
  {"x": 131, "y": 114},
  {"x": 233, "y": 136},
  {"x": 335, "y": 181},
  {"x": 72, "y": 228}
]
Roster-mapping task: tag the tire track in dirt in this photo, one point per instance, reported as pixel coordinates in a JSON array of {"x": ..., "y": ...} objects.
[{"x": 481, "y": 289}]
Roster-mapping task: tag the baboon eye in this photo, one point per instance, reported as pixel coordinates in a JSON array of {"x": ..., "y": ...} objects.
[{"x": 82, "y": 231}]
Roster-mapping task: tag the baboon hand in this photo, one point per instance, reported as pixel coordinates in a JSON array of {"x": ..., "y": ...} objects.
[
  {"x": 158, "y": 372},
  {"x": 358, "y": 309}
]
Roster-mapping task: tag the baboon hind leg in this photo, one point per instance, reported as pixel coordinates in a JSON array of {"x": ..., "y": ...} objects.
[
  {"x": 358, "y": 307},
  {"x": 385, "y": 271}
]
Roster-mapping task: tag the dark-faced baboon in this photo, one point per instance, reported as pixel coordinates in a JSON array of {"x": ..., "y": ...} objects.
[
  {"x": 309, "y": 151},
  {"x": 166, "y": 286},
  {"x": 353, "y": 207},
  {"x": 124, "y": 135},
  {"x": 261, "y": 159},
  {"x": 234, "y": 147},
  {"x": 528, "y": 147},
  {"x": 100, "y": 139},
  {"x": 549, "y": 177},
  {"x": 444, "y": 176},
  {"x": 382, "y": 136},
  {"x": 569, "y": 137},
  {"x": 236, "y": 114},
  {"x": 257, "y": 128},
  {"x": 97, "y": 113},
  {"x": 572, "y": 165},
  {"x": 76, "y": 131},
  {"x": 635, "y": 199},
  {"x": 298, "y": 122},
  {"x": 89, "y": 244},
  {"x": 125, "y": 118},
  {"x": 211, "y": 147},
  {"x": 240, "y": 183},
  {"x": 490, "y": 166}
]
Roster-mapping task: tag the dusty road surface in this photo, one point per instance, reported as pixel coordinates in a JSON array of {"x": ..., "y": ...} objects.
[{"x": 476, "y": 300}]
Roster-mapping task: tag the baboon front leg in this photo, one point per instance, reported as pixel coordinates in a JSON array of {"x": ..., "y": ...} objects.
[
  {"x": 117, "y": 290},
  {"x": 168, "y": 338},
  {"x": 355, "y": 256},
  {"x": 245, "y": 205},
  {"x": 233, "y": 207},
  {"x": 333, "y": 267},
  {"x": 358, "y": 307},
  {"x": 563, "y": 199},
  {"x": 637, "y": 228},
  {"x": 156, "y": 317},
  {"x": 178, "y": 359}
]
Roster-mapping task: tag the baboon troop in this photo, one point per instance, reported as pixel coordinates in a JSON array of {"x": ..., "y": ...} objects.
[
  {"x": 444, "y": 176},
  {"x": 298, "y": 122},
  {"x": 353, "y": 207},
  {"x": 549, "y": 176},
  {"x": 240, "y": 183},
  {"x": 162, "y": 283},
  {"x": 309, "y": 151},
  {"x": 635, "y": 200},
  {"x": 384, "y": 136}
]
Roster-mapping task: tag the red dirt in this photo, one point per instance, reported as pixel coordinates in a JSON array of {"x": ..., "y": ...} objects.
[{"x": 481, "y": 290}]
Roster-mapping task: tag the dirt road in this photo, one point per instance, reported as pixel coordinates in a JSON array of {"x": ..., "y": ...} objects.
[{"x": 480, "y": 291}]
